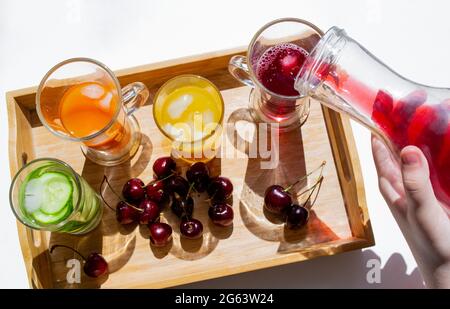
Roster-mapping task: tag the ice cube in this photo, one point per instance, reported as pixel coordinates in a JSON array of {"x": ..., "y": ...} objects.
[
  {"x": 105, "y": 103},
  {"x": 173, "y": 131},
  {"x": 33, "y": 195},
  {"x": 93, "y": 91},
  {"x": 178, "y": 107},
  {"x": 208, "y": 117}
]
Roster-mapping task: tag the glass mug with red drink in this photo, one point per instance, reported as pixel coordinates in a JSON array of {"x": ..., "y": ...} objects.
[
  {"x": 274, "y": 57},
  {"x": 344, "y": 76},
  {"x": 80, "y": 99}
]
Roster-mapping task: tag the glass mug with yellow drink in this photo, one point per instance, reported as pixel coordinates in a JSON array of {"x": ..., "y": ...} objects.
[
  {"x": 188, "y": 109},
  {"x": 80, "y": 99}
]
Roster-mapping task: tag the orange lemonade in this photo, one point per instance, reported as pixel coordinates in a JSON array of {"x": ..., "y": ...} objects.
[{"x": 86, "y": 109}]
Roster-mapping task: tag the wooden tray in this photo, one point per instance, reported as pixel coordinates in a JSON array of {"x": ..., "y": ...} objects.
[{"x": 339, "y": 222}]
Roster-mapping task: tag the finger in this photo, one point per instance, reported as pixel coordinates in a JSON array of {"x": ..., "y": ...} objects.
[
  {"x": 384, "y": 162},
  {"x": 389, "y": 176},
  {"x": 416, "y": 177}
]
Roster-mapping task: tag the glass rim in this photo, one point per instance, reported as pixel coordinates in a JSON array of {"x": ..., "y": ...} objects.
[
  {"x": 255, "y": 38},
  {"x": 184, "y": 76},
  {"x": 54, "y": 69},
  {"x": 77, "y": 183}
]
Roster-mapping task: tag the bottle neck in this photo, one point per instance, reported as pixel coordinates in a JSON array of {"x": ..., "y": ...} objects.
[
  {"x": 344, "y": 76},
  {"x": 321, "y": 61}
]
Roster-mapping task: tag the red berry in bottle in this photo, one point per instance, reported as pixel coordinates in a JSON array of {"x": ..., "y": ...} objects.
[
  {"x": 178, "y": 185},
  {"x": 277, "y": 199},
  {"x": 95, "y": 265},
  {"x": 296, "y": 217},
  {"x": 156, "y": 191},
  {"x": 401, "y": 114},
  {"x": 442, "y": 164},
  {"x": 191, "y": 228},
  {"x": 150, "y": 211},
  {"x": 383, "y": 102},
  {"x": 198, "y": 174},
  {"x": 133, "y": 190},
  {"x": 220, "y": 188},
  {"x": 428, "y": 128},
  {"x": 125, "y": 213},
  {"x": 164, "y": 167},
  {"x": 160, "y": 234},
  {"x": 405, "y": 108},
  {"x": 221, "y": 214},
  {"x": 182, "y": 206}
]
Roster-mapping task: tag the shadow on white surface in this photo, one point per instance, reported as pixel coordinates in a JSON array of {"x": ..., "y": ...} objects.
[{"x": 347, "y": 270}]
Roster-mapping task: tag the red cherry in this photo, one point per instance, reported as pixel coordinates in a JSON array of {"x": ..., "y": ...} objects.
[
  {"x": 221, "y": 214},
  {"x": 125, "y": 213},
  {"x": 182, "y": 207},
  {"x": 296, "y": 217},
  {"x": 156, "y": 191},
  {"x": 191, "y": 228},
  {"x": 95, "y": 265},
  {"x": 198, "y": 174},
  {"x": 160, "y": 234},
  {"x": 178, "y": 185},
  {"x": 163, "y": 167},
  {"x": 276, "y": 199},
  {"x": 150, "y": 211},
  {"x": 133, "y": 190},
  {"x": 220, "y": 188}
]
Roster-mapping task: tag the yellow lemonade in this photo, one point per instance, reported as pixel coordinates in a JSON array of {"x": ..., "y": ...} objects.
[{"x": 189, "y": 110}]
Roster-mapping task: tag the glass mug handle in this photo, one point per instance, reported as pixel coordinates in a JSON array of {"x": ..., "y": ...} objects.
[
  {"x": 238, "y": 67},
  {"x": 134, "y": 95}
]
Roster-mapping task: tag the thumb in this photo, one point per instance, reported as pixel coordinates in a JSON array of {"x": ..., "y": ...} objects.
[
  {"x": 424, "y": 212},
  {"x": 416, "y": 177}
]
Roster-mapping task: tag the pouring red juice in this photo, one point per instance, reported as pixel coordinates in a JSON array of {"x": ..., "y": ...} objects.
[{"x": 346, "y": 77}]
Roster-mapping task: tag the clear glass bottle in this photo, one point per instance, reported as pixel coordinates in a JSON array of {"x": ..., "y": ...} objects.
[{"x": 346, "y": 77}]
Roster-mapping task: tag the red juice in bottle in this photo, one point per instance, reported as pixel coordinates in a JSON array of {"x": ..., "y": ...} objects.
[
  {"x": 346, "y": 77},
  {"x": 408, "y": 120}
]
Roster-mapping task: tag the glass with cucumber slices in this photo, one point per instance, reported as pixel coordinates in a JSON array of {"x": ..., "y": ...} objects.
[{"x": 47, "y": 194}]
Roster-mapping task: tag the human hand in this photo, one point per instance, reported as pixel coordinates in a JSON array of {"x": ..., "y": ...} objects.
[{"x": 407, "y": 189}]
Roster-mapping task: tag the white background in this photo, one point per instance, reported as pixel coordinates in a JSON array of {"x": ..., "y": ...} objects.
[{"x": 413, "y": 37}]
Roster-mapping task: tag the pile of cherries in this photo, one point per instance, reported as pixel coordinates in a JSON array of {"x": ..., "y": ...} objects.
[
  {"x": 144, "y": 203},
  {"x": 278, "y": 201}
]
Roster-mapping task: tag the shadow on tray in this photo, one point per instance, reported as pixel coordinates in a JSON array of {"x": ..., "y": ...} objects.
[{"x": 115, "y": 242}]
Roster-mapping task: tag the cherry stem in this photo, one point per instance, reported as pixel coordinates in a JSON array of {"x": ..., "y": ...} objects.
[
  {"x": 191, "y": 186},
  {"x": 101, "y": 193},
  {"x": 320, "y": 167},
  {"x": 317, "y": 185},
  {"x": 162, "y": 179},
  {"x": 67, "y": 247},
  {"x": 111, "y": 187},
  {"x": 105, "y": 179}
]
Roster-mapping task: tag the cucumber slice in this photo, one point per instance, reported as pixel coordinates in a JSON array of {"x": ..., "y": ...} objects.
[
  {"x": 56, "y": 192},
  {"x": 44, "y": 218}
]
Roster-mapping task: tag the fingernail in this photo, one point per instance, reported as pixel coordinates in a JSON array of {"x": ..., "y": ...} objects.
[{"x": 410, "y": 158}]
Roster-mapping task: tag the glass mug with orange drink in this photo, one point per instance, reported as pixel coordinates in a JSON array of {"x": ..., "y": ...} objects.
[
  {"x": 188, "y": 110},
  {"x": 80, "y": 99}
]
